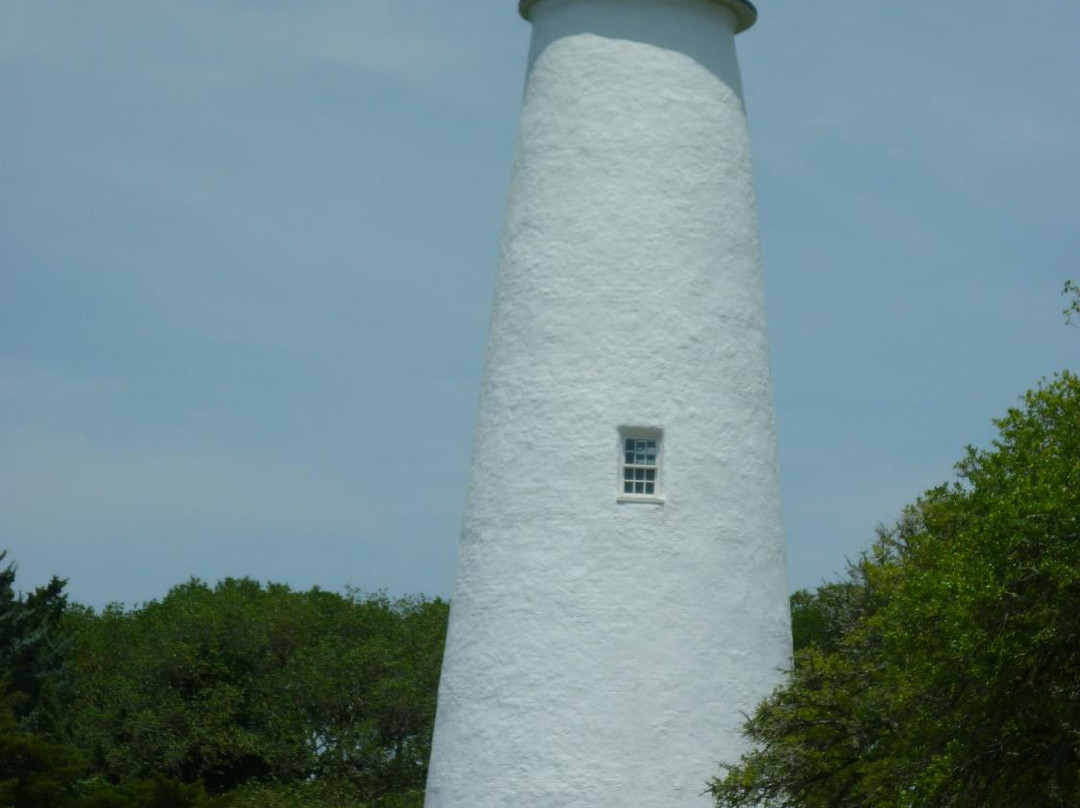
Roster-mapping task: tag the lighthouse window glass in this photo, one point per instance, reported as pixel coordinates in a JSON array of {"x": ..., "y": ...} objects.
[{"x": 640, "y": 466}]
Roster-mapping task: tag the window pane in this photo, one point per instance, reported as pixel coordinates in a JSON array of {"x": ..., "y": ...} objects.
[{"x": 640, "y": 464}]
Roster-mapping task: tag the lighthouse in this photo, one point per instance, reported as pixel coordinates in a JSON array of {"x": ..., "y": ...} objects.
[{"x": 621, "y": 592}]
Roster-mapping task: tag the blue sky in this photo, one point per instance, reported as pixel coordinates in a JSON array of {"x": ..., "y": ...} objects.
[{"x": 247, "y": 252}]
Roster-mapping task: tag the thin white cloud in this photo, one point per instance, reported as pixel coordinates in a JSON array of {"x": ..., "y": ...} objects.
[
  {"x": 56, "y": 481},
  {"x": 67, "y": 462},
  {"x": 29, "y": 388},
  {"x": 415, "y": 42}
]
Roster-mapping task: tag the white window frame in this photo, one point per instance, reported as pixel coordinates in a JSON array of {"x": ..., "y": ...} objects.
[{"x": 640, "y": 433}]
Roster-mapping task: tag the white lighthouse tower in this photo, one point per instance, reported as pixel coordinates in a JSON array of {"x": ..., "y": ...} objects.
[{"x": 621, "y": 592}]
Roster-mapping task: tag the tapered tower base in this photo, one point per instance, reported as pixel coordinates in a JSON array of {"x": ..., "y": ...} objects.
[{"x": 621, "y": 594}]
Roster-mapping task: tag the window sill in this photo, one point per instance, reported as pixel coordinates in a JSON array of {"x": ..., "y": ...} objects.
[{"x": 639, "y": 499}]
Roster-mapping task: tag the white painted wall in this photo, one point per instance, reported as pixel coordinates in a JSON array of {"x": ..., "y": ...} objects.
[{"x": 599, "y": 653}]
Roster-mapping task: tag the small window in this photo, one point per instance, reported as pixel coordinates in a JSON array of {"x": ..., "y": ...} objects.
[{"x": 639, "y": 464}]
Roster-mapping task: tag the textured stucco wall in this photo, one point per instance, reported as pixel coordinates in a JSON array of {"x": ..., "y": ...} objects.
[{"x": 599, "y": 653}]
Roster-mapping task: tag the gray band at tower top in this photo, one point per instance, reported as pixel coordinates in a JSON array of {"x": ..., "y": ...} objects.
[{"x": 745, "y": 12}]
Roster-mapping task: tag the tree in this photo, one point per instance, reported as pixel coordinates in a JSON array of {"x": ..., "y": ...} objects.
[
  {"x": 38, "y": 773},
  {"x": 258, "y": 686},
  {"x": 821, "y": 618},
  {"x": 947, "y": 671},
  {"x": 34, "y": 773},
  {"x": 32, "y": 649}
]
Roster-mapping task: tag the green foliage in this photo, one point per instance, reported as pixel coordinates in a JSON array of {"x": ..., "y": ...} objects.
[
  {"x": 321, "y": 793},
  {"x": 270, "y": 697},
  {"x": 32, "y": 649},
  {"x": 34, "y": 773},
  {"x": 37, "y": 773},
  {"x": 945, "y": 670},
  {"x": 243, "y": 684},
  {"x": 821, "y": 618},
  {"x": 156, "y": 792},
  {"x": 36, "y": 770}
]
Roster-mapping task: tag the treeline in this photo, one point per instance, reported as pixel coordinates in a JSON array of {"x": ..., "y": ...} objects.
[
  {"x": 234, "y": 695},
  {"x": 944, "y": 670}
]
